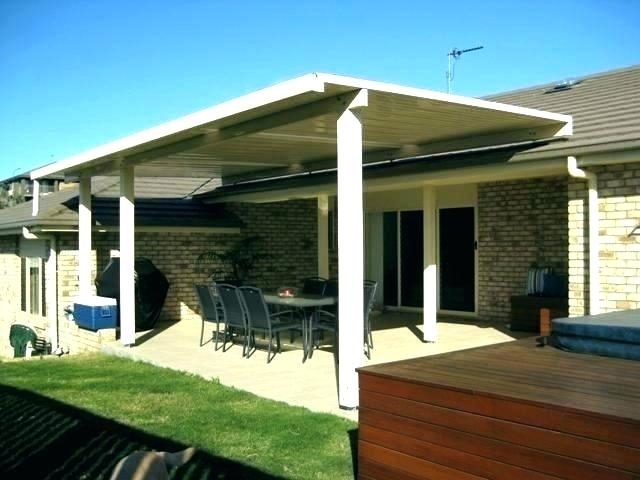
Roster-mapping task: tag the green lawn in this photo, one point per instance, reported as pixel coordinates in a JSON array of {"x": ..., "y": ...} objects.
[{"x": 120, "y": 405}]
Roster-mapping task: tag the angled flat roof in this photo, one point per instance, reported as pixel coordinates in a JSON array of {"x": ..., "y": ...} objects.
[{"x": 291, "y": 125}]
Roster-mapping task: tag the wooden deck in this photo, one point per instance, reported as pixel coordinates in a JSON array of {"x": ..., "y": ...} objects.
[{"x": 508, "y": 411}]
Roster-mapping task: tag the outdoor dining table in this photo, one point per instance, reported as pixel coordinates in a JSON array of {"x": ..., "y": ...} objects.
[{"x": 307, "y": 304}]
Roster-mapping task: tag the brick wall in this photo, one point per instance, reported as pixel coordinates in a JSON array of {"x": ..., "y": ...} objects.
[
  {"x": 289, "y": 241},
  {"x": 289, "y": 230},
  {"x": 9, "y": 270},
  {"x": 10, "y": 296},
  {"x": 520, "y": 223},
  {"x": 619, "y": 214}
]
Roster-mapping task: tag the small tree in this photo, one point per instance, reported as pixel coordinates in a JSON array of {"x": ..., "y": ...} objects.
[{"x": 238, "y": 260}]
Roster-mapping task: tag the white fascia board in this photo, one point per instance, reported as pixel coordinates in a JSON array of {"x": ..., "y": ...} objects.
[
  {"x": 448, "y": 98},
  {"x": 281, "y": 91}
]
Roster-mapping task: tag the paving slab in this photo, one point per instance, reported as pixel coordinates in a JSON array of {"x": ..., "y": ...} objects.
[{"x": 312, "y": 384}]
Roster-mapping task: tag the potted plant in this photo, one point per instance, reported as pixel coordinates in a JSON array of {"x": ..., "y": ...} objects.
[{"x": 237, "y": 261}]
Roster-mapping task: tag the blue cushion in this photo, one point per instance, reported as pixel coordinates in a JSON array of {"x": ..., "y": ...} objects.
[
  {"x": 534, "y": 280},
  {"x": 553, "y": 285}
]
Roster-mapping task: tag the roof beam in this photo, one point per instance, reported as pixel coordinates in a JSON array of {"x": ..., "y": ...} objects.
[
  {"x": 166, "y": 150},
  {"x": 112, "y": 166},
  {"x": 458, "y": 144}
]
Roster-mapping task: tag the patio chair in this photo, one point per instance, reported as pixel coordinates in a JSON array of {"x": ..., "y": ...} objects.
[
  {"x": 234, "y": 315},
  {"x": 210, "y": 310},
  {"x": 260, "y": 319},
  {"x": 310, "y": 286},
  {"x": 327, "y": 320},
  {"x": 20, "y": 336},
  {"x": 331, "y": 288},
  {"x": 370, "y": 287},
  {"x": 314, "y": 285}
]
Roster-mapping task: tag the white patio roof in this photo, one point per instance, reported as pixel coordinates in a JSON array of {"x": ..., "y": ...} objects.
[{"x": 292, "y": 124}]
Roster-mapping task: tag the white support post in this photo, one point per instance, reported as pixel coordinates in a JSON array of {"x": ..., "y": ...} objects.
[
  {"x": 350, "y": 251},
  {"x": 323, "y": 236},
  {"x": 127, "y": 256},
  {"x": 430, "y": 274},
  {"x": 84, "y": 237}
]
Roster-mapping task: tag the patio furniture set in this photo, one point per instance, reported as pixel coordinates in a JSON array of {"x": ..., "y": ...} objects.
[{"x": 243, "y": 311}]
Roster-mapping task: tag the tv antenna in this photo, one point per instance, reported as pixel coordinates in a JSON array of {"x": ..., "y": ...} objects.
[{"x": 455, "y": 55}]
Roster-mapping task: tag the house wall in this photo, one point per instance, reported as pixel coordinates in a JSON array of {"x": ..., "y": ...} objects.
[
  {"x": 289, "y": 243},
  {"x": 11, "y": 298},
  {"x": 619, "y": 214},
  {"x": 447, "y": 196},
  {"x": 10, "y": 270},
  {"x": 290, "y": 240},
  {"x": 387, "y": 201},
  {"x": 520, "y": 224}
]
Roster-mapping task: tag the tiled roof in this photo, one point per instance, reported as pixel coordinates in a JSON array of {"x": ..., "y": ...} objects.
[
  {"x": 605, "y": 109},
  {"x": 163, "y": 202}
]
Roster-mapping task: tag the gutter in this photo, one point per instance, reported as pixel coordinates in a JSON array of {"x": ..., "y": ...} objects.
[
  {"x": 594, "y": 239},
  {"x": 323, "y": 175}
]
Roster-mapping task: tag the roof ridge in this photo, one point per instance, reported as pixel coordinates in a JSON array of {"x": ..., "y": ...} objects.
[{"x": 50, "y": 208}]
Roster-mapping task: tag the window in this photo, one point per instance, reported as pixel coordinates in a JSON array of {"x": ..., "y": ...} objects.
[{"x": 33, "y": 286}]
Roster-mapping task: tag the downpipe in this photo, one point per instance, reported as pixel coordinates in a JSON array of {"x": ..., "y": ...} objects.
[{"x": 594, "y": 227}]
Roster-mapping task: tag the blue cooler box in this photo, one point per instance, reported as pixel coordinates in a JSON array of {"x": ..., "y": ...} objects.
[{"x": 96, "y": 312}]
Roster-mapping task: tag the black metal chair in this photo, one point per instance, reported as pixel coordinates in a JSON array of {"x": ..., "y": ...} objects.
[
  {"x": 210, "y": 310},
  {"x": 370, "y": 287},
  {"x": 314, "y": 285},
  {"x": 331, "y": 288},
  {"x": 259, "y": 319},
  {"x": 234, "y": 315},
  {"x": 327, "y": 320}
]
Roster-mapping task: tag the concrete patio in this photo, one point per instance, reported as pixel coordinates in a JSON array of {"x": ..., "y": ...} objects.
[{"x": 312, "y": 384}]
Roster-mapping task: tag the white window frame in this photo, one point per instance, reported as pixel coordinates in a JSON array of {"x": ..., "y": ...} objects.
[{"x": 31, "y": 305}]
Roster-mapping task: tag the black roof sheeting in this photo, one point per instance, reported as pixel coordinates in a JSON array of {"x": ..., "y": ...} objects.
[{"x": 162, "y": 213}]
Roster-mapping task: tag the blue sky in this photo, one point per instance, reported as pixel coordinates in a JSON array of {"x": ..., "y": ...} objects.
[{"x": 76, "y": 74}]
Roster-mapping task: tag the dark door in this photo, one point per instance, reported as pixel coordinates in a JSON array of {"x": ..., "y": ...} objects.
[
  {"x": 411, "y": 258},
  {"x": 457, "y": 259},
  {"x": 390, "y": 257}
]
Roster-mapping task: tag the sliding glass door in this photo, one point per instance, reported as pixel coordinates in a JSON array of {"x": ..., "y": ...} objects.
[{"x": 402, "y": 258}]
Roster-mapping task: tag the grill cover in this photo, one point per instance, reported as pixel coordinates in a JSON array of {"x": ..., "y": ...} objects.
[{"x": 151, "y": 290}]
